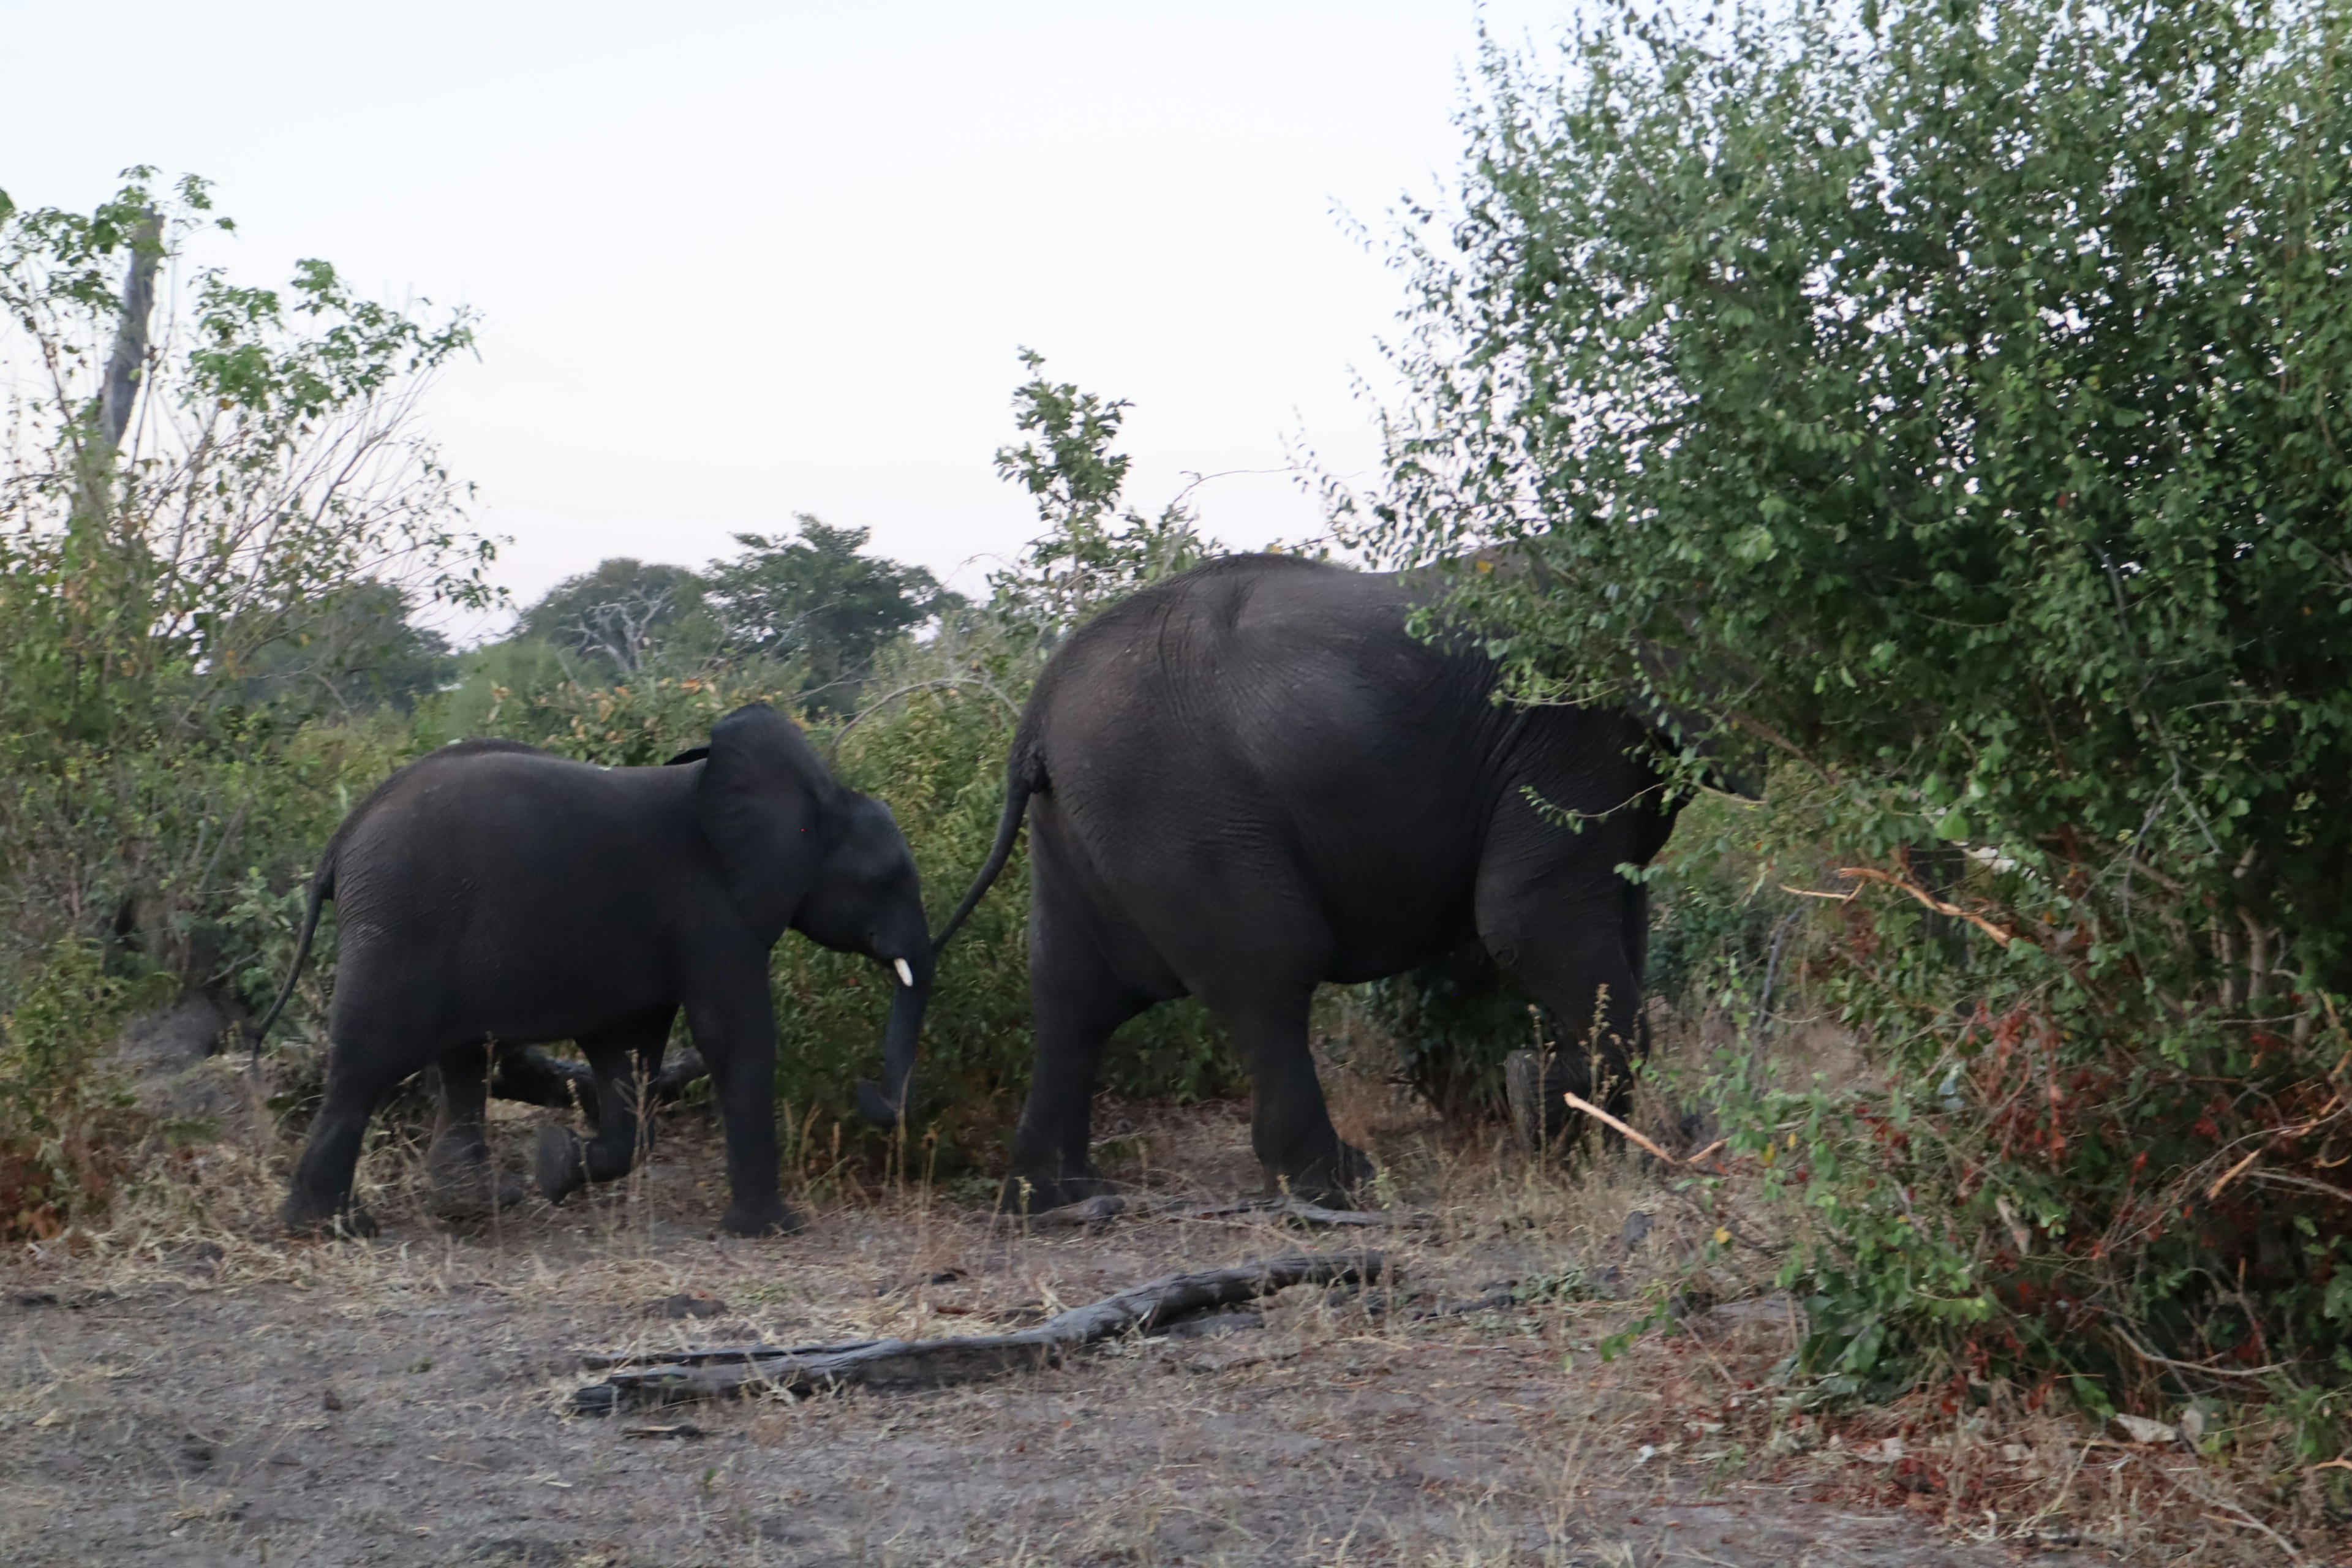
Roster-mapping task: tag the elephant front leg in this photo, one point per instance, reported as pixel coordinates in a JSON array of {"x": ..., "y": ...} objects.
[
  {"x": 463, "y": 1182},
  {"x": 1579, "y": 960},
  {"x": 735, "y": 1029}
]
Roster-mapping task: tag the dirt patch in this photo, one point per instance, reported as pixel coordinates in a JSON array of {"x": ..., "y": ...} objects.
[{"x": 193, "y": 1390}]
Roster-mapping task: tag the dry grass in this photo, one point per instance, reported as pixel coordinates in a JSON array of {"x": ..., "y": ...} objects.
[{"x": 196, "y": 1389}]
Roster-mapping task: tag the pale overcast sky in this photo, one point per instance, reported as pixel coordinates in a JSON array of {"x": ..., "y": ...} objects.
[{"x": 736, "y": 261}]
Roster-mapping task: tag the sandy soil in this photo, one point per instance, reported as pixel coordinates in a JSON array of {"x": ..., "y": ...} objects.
[{"x": 200, "y": 1391}]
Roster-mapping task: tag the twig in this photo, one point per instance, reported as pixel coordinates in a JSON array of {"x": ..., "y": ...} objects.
[
  {"x": 2301, "y": 1184},
  {"x": 2245, "y": 1521},
  {"x": 2149, "y": 1355},
  {"x": 833, "y": 747},
  {"x": 2232, "y": 1173},
  {"x": 2236, "y": 1515},
  {"x": 744, "y": 1369},
  {"x": 1865, "y": 873},
  {"x": 1602, "y": 1116},
  {"x": 1771, "y": 737}
]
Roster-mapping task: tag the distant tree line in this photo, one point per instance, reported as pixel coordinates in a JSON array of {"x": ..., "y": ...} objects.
[{"x": 812, "y": 599}]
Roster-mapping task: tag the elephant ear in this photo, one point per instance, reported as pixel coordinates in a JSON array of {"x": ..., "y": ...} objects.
[{"x": 763, "y": 800}]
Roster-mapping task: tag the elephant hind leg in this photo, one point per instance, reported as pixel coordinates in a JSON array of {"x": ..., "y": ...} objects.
[
  {"x": 1077, "y": 1003},
  {"x": 463, "y": 1180},
  {"x": 359, "y": 1079},
  {"x": 1290, "y": 1123},
  {"x": 625, "y": 1060}
]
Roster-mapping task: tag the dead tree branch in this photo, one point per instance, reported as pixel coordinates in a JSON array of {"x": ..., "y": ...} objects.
[{"x": 683, "y": 1376}]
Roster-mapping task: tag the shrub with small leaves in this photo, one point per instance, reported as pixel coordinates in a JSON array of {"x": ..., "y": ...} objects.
[
  {"x": 1946, "y": 400},
  {"x": 63, "y": 1138}
]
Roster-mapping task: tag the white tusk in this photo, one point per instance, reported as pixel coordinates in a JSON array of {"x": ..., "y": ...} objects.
[{"x": 906, "y": 975}]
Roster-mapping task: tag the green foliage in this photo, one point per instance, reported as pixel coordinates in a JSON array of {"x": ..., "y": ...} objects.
[
  {"x": 817, "y": 602},
  {"x": 177, "y": 605},
  {"x": 1453, "y": 1020},
  {"x": 488, "y": 678},
  {"x": 625, "y": 615},
  {"x": 54, "y": 1096},
  {"x": 349, "y": 654},
  {"x": 1092, "y": 552},
  {"x": 1951, "y": 406}
]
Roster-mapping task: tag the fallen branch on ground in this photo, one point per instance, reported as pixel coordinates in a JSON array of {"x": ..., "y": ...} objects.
[
  {"x": 682, "y": 1376},
  {"x": 1100, "y": 1210}
]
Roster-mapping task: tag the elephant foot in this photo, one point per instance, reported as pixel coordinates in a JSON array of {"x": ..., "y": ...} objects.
[
  {"x": 462, "y": 1182},
  {"x": 774, "y": 1217},
  {"x": 562, "y": 1163},
  {"x": 1338, "y": 1181},
  {"x": 325, "y": 1222},
  {"x": 1027, "y": 1194}
]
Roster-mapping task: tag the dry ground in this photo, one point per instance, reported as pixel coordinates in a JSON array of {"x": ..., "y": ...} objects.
[{"x": 192, "y": 1389}]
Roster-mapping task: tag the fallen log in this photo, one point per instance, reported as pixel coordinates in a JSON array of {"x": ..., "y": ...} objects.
[{"x": 678, "y": 1377}]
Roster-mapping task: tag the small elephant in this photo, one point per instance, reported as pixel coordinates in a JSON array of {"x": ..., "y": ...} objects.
[
  {"x": 1251, "y": 779},
  {"x": 493, "y": 896}
]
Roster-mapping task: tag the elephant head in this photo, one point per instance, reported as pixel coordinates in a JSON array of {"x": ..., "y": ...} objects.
[{"x": 800, "y": 851}]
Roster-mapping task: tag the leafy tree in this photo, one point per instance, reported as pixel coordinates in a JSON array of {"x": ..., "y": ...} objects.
[
  {"x": 356, "y": 650},
  {"x": 158, "y": 527},
  {"x": 1950, "y": 402},
  {"x": 192, "y": 470},
  {"x": 817, "y": 601},
  {"x": 625, "y": 613},
  {"x": 1094, "y": 552}
]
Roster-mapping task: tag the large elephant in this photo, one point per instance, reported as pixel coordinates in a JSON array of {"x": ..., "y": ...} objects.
[
  {"x": 491, "y": 896},
  {"x": 1250, "y": 779}
]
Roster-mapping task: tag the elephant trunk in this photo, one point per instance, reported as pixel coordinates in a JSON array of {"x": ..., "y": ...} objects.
[{"x": 885, "y": 1104}]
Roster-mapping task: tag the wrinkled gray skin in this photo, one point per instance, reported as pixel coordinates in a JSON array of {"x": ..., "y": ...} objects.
[
  {"x": 1250, "y": 779},
  {"x": 492, "y": 896}
]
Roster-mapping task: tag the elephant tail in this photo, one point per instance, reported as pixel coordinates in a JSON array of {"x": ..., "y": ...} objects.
[
  {"x": 1023, "y": 776},
  {"x": 322, "y": 888}
]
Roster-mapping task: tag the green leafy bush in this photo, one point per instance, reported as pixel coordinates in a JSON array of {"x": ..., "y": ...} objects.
[
  {"x": 205, "y": 523},
  {"x": 1949, "y": 403},
  {"x": 1453, "y": 1020},
  {"x": 63, "y": 1138}
]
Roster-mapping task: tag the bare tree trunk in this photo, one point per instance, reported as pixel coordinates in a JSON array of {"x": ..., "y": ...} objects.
[
  {"x": 126, "y": 366},
  {"x": 106, "y": 566}
]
